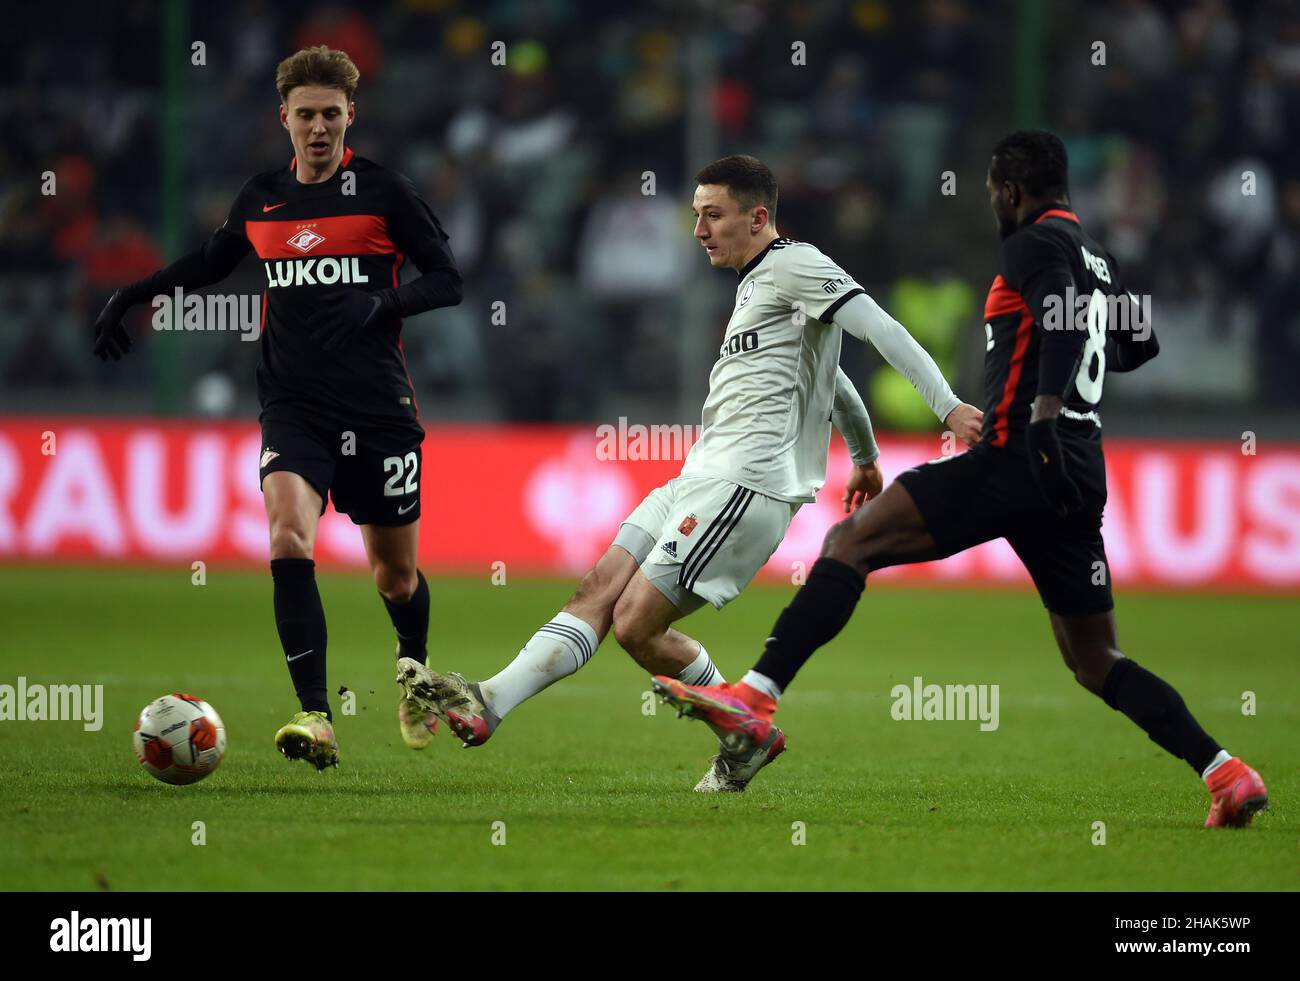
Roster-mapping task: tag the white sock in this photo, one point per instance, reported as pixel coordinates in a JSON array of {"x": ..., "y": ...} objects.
[
  {"x": 1215, "y": 763},
  {"x": 761, "y": 682},
  {"x": 701, "y": 671},
  {"x": 557, "y": 650}
]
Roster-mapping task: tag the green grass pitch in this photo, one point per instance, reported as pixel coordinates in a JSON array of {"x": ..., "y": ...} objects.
[{"x": 593, "y": 793}]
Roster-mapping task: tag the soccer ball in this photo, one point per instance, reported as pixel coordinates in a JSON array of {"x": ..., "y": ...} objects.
[{"x": 179, "y": 738}]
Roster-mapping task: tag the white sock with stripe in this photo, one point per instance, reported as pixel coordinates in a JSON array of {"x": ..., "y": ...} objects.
[
  {"x": 557, "y": 650},
  {"x": 701, "y": 671}
]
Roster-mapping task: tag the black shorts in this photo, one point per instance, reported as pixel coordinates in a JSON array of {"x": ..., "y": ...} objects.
[
  {"x": 371, "y": 471},
  {"x": 988, "y": 493}
]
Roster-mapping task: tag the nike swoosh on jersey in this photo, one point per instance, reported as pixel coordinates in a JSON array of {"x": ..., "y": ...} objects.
[
  {"x": 272, "y": 207},
  {"x": 407, "y": 508}
]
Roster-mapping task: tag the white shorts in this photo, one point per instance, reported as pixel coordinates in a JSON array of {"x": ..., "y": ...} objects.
[{"x": 702, "y": 539}]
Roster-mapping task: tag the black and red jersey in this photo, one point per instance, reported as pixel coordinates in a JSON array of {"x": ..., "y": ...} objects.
[
  {"x": 1050, "y": 322},
  {"x": 353, "y": 231}
]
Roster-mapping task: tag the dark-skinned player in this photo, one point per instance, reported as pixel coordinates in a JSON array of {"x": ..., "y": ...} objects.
[{"x": 1037, "y": 478}]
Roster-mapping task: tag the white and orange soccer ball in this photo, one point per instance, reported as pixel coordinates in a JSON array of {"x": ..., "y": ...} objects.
[{"x": 179, "y": 738}]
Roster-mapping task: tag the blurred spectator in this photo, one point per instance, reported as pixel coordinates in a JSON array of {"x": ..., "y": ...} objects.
[
  {"x": 534, "y": 165},
  {"x": 633, "y": 245},
  {"x": 1278, "y": 350},
  {"x": 333, "y": 26},
  {"x": 124, "y": 252}
]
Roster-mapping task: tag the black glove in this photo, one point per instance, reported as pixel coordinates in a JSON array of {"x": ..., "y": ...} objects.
[
  {"x": 354, "y": 312},
  {"x": 111, "y": 338},
  {"x": 1047, "y": 463}
]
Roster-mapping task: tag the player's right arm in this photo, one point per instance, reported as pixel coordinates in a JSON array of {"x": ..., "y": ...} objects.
[
  {"x": 849, "y": 416},
  {"x": 210, "y": 263}
]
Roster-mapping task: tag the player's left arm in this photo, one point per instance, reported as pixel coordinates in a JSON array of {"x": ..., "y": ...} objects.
[
  {"x": 824, "y": 291},
  {"x": 864, "y": 318},
  {"x": 1129, "y": 349},
  {"x": 416, "y": 231},
  {"x": 1035, "y": 264}
]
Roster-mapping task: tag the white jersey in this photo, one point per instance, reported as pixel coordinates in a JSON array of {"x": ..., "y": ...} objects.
[{"x": 767, "y": 420}]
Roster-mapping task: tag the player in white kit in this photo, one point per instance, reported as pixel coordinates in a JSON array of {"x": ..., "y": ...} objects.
[{"x": 773, "y": 394}]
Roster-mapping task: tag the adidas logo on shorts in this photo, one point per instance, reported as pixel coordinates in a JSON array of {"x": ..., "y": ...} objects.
[{"x": 670, "y": 548}]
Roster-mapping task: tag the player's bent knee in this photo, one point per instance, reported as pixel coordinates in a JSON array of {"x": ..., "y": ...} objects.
[
  {"x": 290, "y": 542},
  {"x": 843, "y": 541},
  {"x": 633, "y": 631},
  {"x": 853, "y": 542},
  {"x": 396, "y": 583},
  {"x": 834, "y": 543},
  {"x": 1088, "y": 681},
  {"x": 626, "y": 629},
  {"x": 1092, "y": 667}
]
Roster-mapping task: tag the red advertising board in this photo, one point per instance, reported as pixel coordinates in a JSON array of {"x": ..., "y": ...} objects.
[{"x": 545, "y": 500}]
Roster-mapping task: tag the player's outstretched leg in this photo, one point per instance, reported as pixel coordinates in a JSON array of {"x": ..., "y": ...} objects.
[
  {"x": 293, "y": 509},
  {"x": 1089, "y": 648},
  {"x": 473, "y": 710},
  {"x": 887, "y": 530}
]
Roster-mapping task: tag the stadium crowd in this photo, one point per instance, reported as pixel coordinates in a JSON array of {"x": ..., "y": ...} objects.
[{"x": 1184, "y": 151}]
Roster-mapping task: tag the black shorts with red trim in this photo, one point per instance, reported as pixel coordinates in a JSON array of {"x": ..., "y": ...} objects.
[
  {"x": 372, "y": 472},
  {"x": 989, "y": 493}
]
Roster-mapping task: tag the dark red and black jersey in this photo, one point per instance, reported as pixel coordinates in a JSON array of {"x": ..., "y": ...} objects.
[
  {"x": 1050, "y": 318},
  {"x": 353, "y": 231}
]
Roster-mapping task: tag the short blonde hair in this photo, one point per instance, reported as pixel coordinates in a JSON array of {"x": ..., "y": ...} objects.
[{"x": 317, "y": 66}]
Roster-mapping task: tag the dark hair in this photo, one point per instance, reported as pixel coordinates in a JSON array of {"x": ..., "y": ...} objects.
[
  {"x": 1035, "y": 159},
  {"x": 747, "y": 178}
]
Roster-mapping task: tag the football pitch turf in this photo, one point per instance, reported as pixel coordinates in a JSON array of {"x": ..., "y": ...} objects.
[{"x": 588, "y": 791}]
